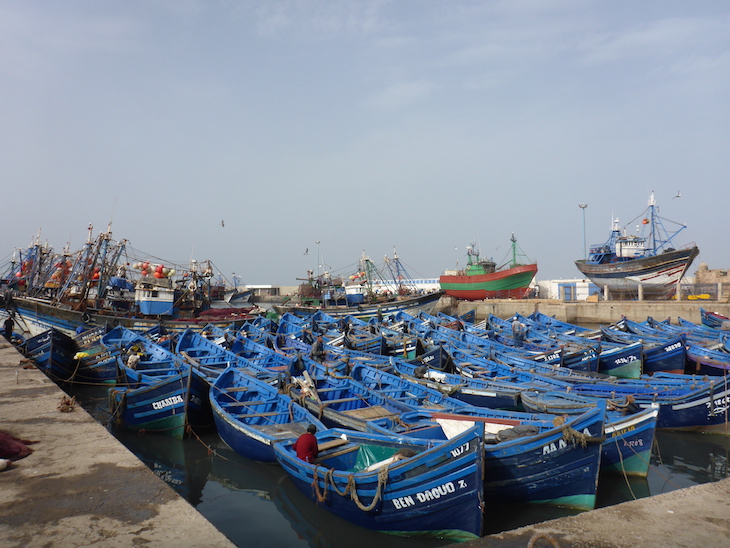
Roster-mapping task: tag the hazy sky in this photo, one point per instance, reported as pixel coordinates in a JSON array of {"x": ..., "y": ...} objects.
[{"x": 418, "y": 125}]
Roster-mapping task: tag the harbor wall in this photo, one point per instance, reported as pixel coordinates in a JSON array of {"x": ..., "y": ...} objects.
[{"x": 582, "y": 312}]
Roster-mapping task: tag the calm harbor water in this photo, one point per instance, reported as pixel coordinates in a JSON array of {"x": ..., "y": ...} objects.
[{"x": 256, "y": 504}]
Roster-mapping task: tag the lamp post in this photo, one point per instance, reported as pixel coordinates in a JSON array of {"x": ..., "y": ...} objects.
[{"x": 583, "y": 207}]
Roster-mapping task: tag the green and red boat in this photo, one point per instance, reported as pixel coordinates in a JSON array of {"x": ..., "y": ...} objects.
[{"x": 482, "y": 279}]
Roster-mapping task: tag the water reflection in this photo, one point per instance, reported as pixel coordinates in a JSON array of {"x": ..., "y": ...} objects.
[
  {"x": 682, "y": 459},
  {"x": 256, "y": 504},
  {"x": 183, "y": 466}
]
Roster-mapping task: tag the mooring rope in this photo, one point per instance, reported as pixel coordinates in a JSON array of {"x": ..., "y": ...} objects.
[{"x": 350, "y": 489}]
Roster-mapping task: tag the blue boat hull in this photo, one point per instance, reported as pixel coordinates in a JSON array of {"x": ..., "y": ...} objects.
[
  {"x": 251, "y": 416},
  {"x": 436, "y": 493},
  {"x": 552, "y": 469},
  {"x": 53, "y": 353}
]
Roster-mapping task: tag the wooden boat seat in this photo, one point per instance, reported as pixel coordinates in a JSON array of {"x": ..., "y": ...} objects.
[
  {"x": 156, "y": 371},
  {"x": 240, "y": 403},
  {"x": 282, "y": 431},
  {"x": 331, "y": 444},
  {"x": 237, "y": 389},
  {"x": 369, "y": 413},
  {"x": 324, "y": 455},
  {"x": 341, "y": 400},
  {"x": 265, "y": 414}
]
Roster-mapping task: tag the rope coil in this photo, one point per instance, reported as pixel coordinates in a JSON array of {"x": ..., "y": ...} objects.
[{"x": 351, "y": 488}]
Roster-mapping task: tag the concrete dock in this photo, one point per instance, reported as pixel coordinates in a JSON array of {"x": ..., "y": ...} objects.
[
  {"x": 694, "y": 517},
  {"x": 81, "y": 487}
]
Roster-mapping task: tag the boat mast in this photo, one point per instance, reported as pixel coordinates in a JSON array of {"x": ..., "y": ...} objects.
[
  {"x": 514, "y": 249},
  {"x": 652, "y": 222},
  {"x": 658, "y": 238},
  {"x": 402, "y": 280}
]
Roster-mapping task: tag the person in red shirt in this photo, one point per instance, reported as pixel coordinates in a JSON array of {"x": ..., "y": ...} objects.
[{"x": 306, "y": 445}]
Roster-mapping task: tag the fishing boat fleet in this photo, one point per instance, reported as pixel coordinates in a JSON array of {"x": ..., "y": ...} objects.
[
  {"x": 369, "y": 291},
  {"x": 107, "y": 282},
  {"x": 420, "y": 420}
]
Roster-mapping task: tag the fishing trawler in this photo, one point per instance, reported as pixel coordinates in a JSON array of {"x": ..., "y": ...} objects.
[
  {"x": 627, "y": 264},
  {"x": 100, "y": 284},
  {"x": 483, "y": 279}
]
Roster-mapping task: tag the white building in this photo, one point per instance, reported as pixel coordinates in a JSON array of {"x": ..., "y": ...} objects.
[{"x": 579, "y": 289}]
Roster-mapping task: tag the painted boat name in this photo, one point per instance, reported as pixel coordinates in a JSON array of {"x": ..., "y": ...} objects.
[
  {"x": 674, "y": 346},
  {"x": 167, "y": 402},
  {"x": 719, "y": 405},
  {"x": 561, "y": 444},
  {"x": 428, "y": 495}
]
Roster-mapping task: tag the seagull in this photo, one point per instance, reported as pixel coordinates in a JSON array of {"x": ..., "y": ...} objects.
[
  {"x": 306, "y": 251},
  {"x": 223, "y": 223},
  {"x": 679, "y": 195}
]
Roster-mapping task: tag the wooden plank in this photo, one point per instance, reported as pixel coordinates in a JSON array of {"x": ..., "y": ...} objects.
[
  {"x": 240, "y": 403},
  {"x": 237, "y": 389},
  {"x": 331, "y": 444},
  {"x": 337, "y": 453},
  {"x": 267, "y": 414},
  {"x": 341, "y": 400},
  {"x": 367, "y": 413}
]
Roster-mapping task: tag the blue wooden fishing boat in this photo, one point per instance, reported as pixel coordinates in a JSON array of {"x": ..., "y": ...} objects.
[
  {"x": 693, "y": 404},
  {"x": 98, "y": 348},
  {"x": 666, "y": 354},
  {"x": 629, "y": 437},
  {"x": 431, "y": 371},
  {"x": 396, "y": 342},
  {"x": 95, "y": 364},
  {"x": 210, "y": 359},
  {"x": 686, "y": 402},
  {"x": 339, "y": 401},
  {"x": 401, "y": 389},
  {"x": 158, "y": 391},
  {"x": 621, "y": 360},
  {"x": 395, "y": 484},
  {"x": 53, "y": 353},
  {"x": 585, "y": 359},
  {"x": 714, "y": 320},
  {"x": 262, "y": 355},
  {"x": 707, "y": 361},
  {"x": 528, "y": 458},
  {"x": 553, "y": 324},
  {"x": 251, "y": 415},
  {"x": 542, "y": 349},
  {"x": 157, "y": 407},
  {"x": 296, "y": 337},
  {"x": 699, "y": 334},
  {"x": 665, "y": 329}
]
